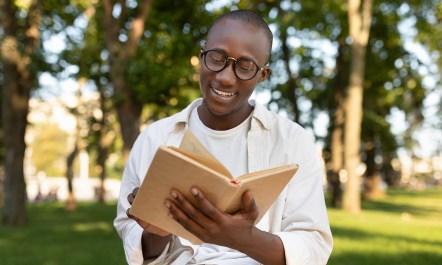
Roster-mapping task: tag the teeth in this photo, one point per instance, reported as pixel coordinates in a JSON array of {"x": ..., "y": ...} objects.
[{"x": 223, "y": 94}]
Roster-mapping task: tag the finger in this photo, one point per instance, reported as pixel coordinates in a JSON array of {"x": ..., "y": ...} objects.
[
  {"x": 135, "y": 191},
  {"x": 191, "y": 211},
  {"x": 130, "y": 215},
  {"x": 138, "y": 220},
  {"x": 189, "y": 216},
  {"x": 183, "y": 219},
  {"x": 130, "y": 198},
  {"x": 249, "y": 205},
  {"x": 206, "y": 206}
]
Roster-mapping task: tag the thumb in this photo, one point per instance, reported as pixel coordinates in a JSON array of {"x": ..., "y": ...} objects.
[{"x": 249, "y": 205}]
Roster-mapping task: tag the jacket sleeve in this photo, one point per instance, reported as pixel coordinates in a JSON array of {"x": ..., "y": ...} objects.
[
  {"x": 305, "y": 230},
  {"x": 129, "y": 230}
]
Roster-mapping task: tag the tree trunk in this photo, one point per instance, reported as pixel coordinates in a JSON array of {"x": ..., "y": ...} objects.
[
  {"x": 18, "y": 81},
  {"x": 359, "y": 24},
  {"x": 71, "y": 204},
  {"x": 337, "y": 135},
  {"x": 291, "y": 82},
  {"x": 105, "y": 140},
  {"x": 373, "y": 180},
  {"x": 120, "y": 55}
]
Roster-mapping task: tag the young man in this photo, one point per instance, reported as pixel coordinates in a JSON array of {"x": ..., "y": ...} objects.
[{"x": 245, "y": 137}]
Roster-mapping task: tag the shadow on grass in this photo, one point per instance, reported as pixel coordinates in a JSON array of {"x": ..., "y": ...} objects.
[
  {"x": 405, "y": 201},
  {"x": 394, "y": 207},
  {"x": 430, "y": 192},
  {"x": 384, "y": 249},
  {"x": 404, "y": 258},
  {"x": 349, "y": 233}
]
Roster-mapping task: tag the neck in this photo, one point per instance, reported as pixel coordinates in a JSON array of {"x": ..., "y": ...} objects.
[{"x": 222, "y": 122}]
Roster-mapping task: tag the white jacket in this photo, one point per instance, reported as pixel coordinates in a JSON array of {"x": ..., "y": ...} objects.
[{"x": 298, "y": 216}]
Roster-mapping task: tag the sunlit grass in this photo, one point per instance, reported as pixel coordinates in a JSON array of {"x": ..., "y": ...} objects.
[{"x": 402, "y": 228}]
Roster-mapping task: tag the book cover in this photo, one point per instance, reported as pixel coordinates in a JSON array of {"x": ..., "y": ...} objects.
[{"x": 192, "y": 165}]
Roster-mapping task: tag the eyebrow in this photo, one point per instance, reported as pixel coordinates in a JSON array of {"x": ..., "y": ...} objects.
[{"x": 237, "y": 58}]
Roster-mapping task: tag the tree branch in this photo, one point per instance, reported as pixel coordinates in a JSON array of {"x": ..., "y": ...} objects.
[
  {"x": 32, "y": 32},
  {"x": 137, "y": 28},
  {"x": 110, "y": 31},
  {"x": 123, "y": 14}
]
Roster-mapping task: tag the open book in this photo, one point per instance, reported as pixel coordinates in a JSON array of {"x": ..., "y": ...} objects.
[{"x": 192, "y": 165}]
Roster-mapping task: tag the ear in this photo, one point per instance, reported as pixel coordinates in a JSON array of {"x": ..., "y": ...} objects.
[
  {"x": 202, "y": 49},
  {"x": 264, "y": 74}
]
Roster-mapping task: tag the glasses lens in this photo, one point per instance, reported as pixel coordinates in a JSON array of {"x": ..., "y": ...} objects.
[
  {"x": 215, "y": 60},
  {"x": 245, "y": 69}
]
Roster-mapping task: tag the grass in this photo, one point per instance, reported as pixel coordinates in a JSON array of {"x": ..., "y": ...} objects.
[
  {"x": 402, "y": 228},
  {"x": 55, "y": 236}
]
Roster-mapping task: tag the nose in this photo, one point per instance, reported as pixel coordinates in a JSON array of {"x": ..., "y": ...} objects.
[{"x": 227, "y": 75}]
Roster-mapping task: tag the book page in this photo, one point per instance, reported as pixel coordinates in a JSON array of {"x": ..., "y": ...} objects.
[
  {"x": 265, "y": 185},
  {"x": 193, "y": 148},
  {"x": 264, "y": 173}
]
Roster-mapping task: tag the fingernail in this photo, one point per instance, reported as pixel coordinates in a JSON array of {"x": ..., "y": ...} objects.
[
  {"x": 167, "y": 204},
  {"x": 174, "y": 195},
  {"x": 194, "y": 191}
]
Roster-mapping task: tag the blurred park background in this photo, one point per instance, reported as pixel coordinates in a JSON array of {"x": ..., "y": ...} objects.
[{"x": 80, "y": 79}]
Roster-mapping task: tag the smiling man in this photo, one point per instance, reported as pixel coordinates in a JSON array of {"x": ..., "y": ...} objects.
[{"x": 245, "y": 137}]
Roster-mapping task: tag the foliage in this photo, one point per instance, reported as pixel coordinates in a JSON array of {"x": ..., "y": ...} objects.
[
  {"x": 318, "y": 36},
  {"x": 163, "y": 74},
  {"x": 2, "y": 149}
]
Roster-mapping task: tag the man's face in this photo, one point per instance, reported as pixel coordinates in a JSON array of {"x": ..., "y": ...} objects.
[{"x": 225, "y": 96}]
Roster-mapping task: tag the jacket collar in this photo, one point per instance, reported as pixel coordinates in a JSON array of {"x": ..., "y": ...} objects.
[{"x": 260, "y": 116}]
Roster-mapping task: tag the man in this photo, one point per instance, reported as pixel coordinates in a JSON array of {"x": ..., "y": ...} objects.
[{"x": 245, "y": 137}]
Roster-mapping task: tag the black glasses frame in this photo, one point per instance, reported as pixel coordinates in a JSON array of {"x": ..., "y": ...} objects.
[{"x": 228, "y": 58}]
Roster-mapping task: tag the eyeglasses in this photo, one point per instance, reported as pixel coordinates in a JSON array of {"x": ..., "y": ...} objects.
[{"x": 216, "y": 61}]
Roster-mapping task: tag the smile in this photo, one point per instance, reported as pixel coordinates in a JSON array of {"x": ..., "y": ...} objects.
[{"x": 223, "y": 94}]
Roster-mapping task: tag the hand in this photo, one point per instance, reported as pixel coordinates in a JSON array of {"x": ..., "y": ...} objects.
[
  {"x": 145, "y": 225},
  {"x": 212, "y": 225}
]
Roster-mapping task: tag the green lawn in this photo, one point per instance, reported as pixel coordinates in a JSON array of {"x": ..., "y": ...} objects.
[
  {"x": 57, "y": 237},
  {"x": 403, "y": 228}
]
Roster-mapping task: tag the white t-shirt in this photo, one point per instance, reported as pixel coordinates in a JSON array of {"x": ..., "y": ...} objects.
[{"x": 229, "y": 147}]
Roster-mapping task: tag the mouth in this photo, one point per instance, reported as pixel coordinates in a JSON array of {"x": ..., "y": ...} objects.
[{"x": 222, "y": 93}]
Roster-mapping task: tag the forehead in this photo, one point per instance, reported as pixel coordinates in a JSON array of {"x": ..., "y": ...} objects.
[{"x": 238, "y": 39}]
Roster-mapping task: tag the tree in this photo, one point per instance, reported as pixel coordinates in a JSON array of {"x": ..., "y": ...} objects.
[
  {"x": 359, "y": 15},
  {"x": 289, "y": 88},
  {"x": 20, "y": 43},
  {"x": 120, "y": 55}
]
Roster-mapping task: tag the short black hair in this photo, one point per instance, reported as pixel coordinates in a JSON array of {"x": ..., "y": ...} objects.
[{"x": 251, "y": 18}]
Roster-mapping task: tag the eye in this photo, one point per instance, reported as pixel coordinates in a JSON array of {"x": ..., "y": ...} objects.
[
  {"x": 216, "y": 57},
  {"x": 245, "y": 65}
]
